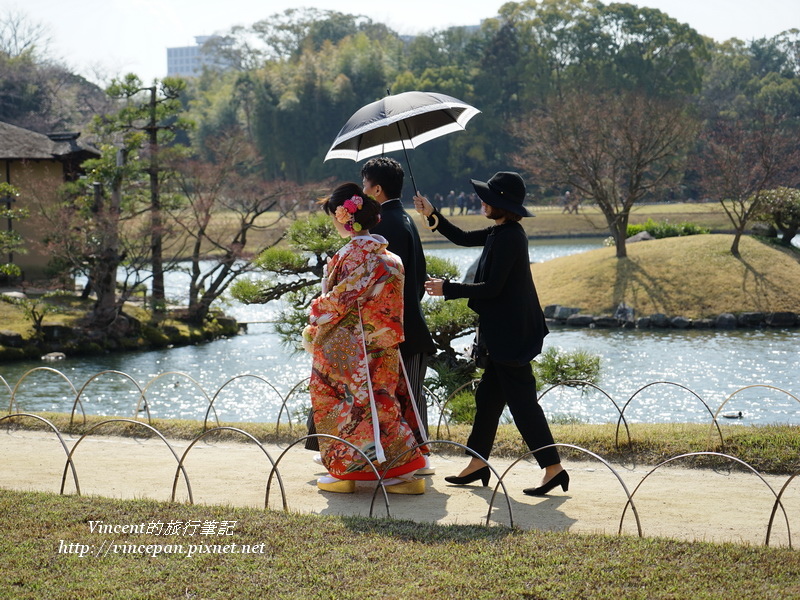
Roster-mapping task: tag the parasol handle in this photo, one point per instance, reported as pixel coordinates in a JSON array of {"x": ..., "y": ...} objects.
[
  {"x": 414, "y": 183},
  {"x": 408, "y": 162},
  {"x": 405, "y": 153}
]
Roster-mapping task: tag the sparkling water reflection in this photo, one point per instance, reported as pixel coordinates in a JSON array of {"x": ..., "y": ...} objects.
[
  {"x": 211, "y": 365},
  {"x": 713, "y": 364}
]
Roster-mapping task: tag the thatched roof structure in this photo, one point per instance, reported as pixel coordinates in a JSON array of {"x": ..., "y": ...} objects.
[{"x": 17, "y": 143}]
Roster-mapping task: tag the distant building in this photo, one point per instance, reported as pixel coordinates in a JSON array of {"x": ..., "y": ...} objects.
[
  {"x": 37, "y": 165},
  {"x": 189, "y": 61}
]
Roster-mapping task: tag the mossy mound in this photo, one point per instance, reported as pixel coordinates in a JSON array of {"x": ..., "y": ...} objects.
[
  {"x": 62, "y": 332},
  {"x": 693, "y": 276}
]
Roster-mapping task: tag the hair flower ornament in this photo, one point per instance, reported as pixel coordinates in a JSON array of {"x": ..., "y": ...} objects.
[
  {"x": 345, "y": 213},
  {"x": 342, "y": 215}
]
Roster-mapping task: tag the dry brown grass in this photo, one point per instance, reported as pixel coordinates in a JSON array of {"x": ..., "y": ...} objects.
[
  {"x": 551, "y": 222},
  {"x": 694, "y": 276}
]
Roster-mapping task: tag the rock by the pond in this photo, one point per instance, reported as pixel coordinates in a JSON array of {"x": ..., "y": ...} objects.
[{"x": 15, "y": 295}]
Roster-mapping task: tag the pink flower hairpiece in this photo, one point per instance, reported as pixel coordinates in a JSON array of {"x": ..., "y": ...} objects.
[{"x": 345, "y": 213}]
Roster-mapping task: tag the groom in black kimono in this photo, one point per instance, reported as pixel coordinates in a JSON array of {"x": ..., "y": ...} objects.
[{"x": 382, "y": 178}]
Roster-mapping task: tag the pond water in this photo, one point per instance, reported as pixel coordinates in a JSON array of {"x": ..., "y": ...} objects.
[{"x": 668, "y": 376}]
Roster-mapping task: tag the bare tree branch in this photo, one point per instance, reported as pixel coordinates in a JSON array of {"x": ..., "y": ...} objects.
[{"x": 615, "y": 148}]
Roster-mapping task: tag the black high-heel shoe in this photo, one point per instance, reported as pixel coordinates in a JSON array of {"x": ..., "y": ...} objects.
[
  {"x": 562, "y": 479},
  {"x": 483, "y": 474}
]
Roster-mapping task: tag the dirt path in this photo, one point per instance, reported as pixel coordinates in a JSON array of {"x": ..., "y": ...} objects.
[{"x": 686, "y": 504}]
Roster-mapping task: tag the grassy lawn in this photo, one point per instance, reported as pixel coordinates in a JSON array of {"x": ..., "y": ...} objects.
[
  {"x": 693, "y": 276},
  {"x": 49, "y": 551},
  {"x": 551, "y": 222},
  {"x": 311, "y": 556},
  {"x": 66, "y": 311},
  {"x": 61, "y": 309}
]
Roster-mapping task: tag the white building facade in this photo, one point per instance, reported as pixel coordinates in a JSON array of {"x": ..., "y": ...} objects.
[{"x": 189, "y": 61}]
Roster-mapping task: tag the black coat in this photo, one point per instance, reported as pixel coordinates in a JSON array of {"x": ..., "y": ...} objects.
[
  {"x": 510, "y": 318},
  {"x": 401, "y": 233}
]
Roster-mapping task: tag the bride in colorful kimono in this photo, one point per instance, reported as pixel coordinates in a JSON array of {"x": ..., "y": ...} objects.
[{"x": 358, "y": 389}]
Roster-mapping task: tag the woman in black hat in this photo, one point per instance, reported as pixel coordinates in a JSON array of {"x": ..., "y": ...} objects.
[{"x": 511, "y": 327}]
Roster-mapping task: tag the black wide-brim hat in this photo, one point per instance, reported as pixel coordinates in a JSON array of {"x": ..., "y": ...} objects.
[{"x": 504, "y": 190}]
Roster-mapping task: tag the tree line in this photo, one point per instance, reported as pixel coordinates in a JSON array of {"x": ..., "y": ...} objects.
[{"x": 615, "y": 102}]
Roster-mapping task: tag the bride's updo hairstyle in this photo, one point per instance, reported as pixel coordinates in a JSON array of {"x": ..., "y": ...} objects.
[{"x": 352, "y": 207}]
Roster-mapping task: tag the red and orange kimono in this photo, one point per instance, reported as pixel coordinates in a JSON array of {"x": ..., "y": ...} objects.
[{"x": 358, "y": 389}]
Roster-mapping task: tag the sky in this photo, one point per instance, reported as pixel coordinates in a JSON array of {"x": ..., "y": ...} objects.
[{"x": 100, "y": 39}]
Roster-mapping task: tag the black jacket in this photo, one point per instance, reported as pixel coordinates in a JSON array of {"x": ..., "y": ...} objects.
[
  {"x": 401, "y": 233},
  {"x": 510, "y": 318}
]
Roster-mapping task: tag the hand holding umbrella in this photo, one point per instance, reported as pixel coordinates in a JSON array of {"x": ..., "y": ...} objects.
[{"x": 424, "y": 207}]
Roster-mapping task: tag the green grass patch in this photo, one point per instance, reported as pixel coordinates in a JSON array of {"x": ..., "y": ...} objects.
[
  {"x": 326, "y": 557},
  {"x": 662, "y": 229}
]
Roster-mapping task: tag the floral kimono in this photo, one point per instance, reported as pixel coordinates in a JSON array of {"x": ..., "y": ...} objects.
[{"x": 358, "y": 389}]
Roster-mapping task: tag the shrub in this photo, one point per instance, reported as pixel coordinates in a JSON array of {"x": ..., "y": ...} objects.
[
  {"x": 664, "y": 229},
  {"x": 550, "y": 368},
  {"x": 448, "y": 374},
  {"x": 447, "y": 321},
  {"x": 553, "y": 366},
  {"x": 89, "y": 348},
  {"x": 461, "y": 407},
  {"x": 441, "y": 268}
]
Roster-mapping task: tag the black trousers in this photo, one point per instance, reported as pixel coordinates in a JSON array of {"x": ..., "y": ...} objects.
[
  {"x": 502, "y": 385},
  {"x": 416, "y": 367}
]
